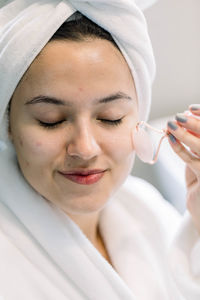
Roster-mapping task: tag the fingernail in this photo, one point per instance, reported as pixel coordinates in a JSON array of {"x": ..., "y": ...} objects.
[
  {"x": 172, "y": 125},
  {"x": 195, "y": 106},
  {"x": 172, "y": 138},
  {"x": 181, "y": 118}
]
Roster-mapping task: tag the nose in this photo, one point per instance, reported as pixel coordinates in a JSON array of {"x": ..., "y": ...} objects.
[{"x": 83, "y": 143}]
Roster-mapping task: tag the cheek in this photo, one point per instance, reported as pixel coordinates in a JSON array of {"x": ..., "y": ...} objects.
[
  {"x": 123, "y": 157},
  {"x": 120, "y": 146},
  {"x": 35, "y": 146}
]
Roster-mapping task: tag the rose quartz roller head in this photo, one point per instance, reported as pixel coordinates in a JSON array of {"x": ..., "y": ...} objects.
[{"x": 142, "y": 144}]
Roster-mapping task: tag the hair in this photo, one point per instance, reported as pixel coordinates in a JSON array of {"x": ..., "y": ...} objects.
[{"x": 79, "y": 28}]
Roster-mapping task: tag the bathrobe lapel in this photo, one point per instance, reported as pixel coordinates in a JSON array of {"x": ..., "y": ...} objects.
[
  {"x": 47, "y": 237},
  {"x": 132, "y": 248}
]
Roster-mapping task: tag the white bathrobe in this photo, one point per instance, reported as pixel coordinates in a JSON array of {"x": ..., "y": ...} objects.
[{"x": 155, "y": 252}]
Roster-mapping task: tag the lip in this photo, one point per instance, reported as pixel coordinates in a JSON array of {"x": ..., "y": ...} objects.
[
  {"x": 84, "y": 179},
  {"x": 83, "y": 172}
]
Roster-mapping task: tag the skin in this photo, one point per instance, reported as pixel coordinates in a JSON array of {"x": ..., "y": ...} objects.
[{"x": 80, "y": 72}]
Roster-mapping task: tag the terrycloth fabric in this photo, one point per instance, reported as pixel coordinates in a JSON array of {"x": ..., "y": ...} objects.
[
  {"x": 44, "y": 255},
  {"x": 20, "y": 20}
]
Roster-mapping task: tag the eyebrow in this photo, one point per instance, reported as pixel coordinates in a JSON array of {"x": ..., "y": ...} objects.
[{"x": 56, "y": 101}]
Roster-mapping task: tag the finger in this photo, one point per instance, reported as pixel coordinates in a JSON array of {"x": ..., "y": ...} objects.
[
  {"x": 192, "y": 161},
  {"x": 190, "y": 177},
  {"x": 195, "y": 109},
  {"x": 184, "y": 136},
  {"x": 188, "y": 122}
]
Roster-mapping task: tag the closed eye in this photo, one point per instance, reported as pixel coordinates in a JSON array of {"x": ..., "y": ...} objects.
[
  {"x": 54, "y": 125},
  {"x": 50, "y": 125},
  {"x": 112, "y": 122}
]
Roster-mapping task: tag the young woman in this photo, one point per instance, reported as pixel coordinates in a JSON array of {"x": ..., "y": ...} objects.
[{"x": 74, "y": 224}]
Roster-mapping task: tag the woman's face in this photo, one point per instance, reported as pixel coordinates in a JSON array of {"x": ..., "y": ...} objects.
[{"x": 66, "y": 85}]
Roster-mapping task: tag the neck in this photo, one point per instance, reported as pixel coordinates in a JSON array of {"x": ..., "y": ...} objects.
[{"x": 88, "y": 223}]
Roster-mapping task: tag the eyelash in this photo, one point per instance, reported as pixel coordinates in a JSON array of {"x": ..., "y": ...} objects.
[{"x": 54, "y": 125}]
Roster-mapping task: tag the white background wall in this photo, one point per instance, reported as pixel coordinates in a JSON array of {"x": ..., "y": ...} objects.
[{"x": 174, "y": 28}]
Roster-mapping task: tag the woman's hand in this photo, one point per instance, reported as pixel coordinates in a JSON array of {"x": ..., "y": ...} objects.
[{"x": 186, "y": 130}]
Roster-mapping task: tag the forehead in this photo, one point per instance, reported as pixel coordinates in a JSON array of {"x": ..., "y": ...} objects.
[
  {"x": 77, "y": 70},
  {"x": 94, "y": 56}
]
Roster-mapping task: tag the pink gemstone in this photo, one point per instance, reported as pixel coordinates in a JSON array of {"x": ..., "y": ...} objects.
[{"x": 143, "y": 145}]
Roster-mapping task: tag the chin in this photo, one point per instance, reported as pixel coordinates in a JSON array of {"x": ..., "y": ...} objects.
[{"x": 85, "y": 206}]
